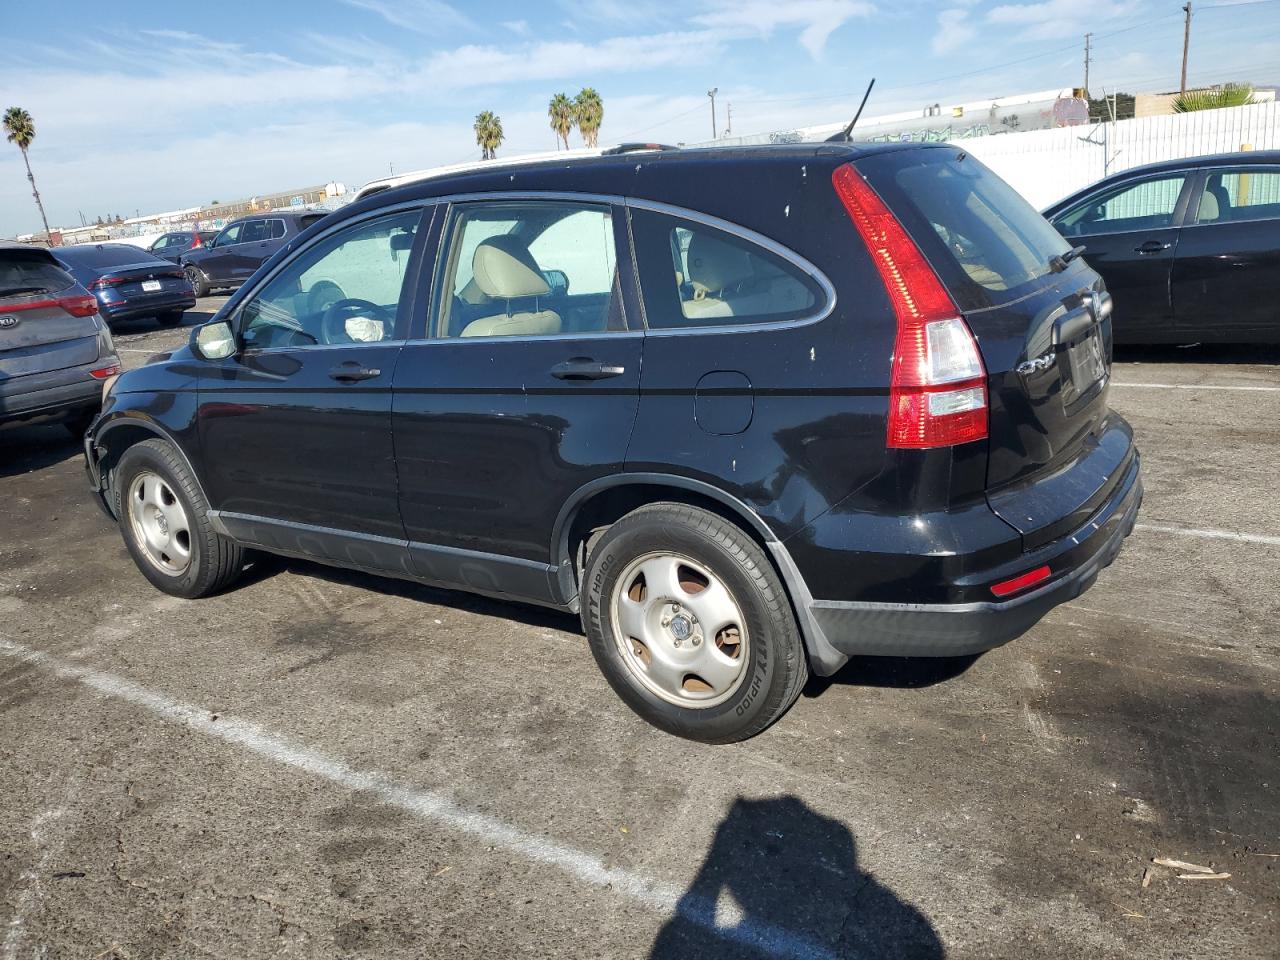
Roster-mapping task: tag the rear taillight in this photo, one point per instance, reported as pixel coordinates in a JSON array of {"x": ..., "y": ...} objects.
[
  {"x": 76, "y": 304},
  {"x": 103, "y": 372},
  {"x": 103, "y": 283},
  {"x": 938, "y": 385}
]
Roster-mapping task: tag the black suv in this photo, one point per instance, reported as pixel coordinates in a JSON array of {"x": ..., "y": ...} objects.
[
  {"x": 747, "y": 411},
  {"x": 240, "y": 248}
]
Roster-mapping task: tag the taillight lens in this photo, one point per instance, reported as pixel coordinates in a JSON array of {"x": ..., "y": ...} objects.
[
  {"x": 78, "y": 305},
  {"x": 938, "y": 385},
  {"x": 101, "y": 373}
]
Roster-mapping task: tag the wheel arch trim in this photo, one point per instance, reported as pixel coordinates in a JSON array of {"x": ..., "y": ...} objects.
[{"x": 158, "y": 432}]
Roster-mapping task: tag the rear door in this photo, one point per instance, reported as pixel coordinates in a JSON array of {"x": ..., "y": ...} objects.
[
  {"x": 1130, "y": 233},
  {"x": 46, "y": 322},
  {"x": 1226, "y": 277},
  {"x": 523, "y": 389},
  {"x": 1042, "y": 327}
]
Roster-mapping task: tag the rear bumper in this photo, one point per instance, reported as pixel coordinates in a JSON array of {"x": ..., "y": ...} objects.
[
  {"x": 837, "y": 630},
  {"x": 148, "y": 308},
  {"x": 48, "y": 394}
]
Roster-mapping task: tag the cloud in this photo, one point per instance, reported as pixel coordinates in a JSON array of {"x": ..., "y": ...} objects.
[
  {"x": 955, "y": 30},
  {"x": 518, "y": 27},
  {"x": 1060, "y": 18},
  {"x": 421, "y": 16},
  {"x": 815, "y": 19}
]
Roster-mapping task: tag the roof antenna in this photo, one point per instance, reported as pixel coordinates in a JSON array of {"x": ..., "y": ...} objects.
[{"x": 846, "y": 135}]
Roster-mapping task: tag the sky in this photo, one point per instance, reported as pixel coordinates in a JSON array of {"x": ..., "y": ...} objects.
[{"x": 143, "y": 106}]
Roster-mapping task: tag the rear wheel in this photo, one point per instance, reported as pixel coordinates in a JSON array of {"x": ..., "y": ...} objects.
[
  {"x": 164, "y": 520},
  {"x": 199, "y": 282},
  {"x": 170, "y": 319},
  {"x": 690, "y": 624}
]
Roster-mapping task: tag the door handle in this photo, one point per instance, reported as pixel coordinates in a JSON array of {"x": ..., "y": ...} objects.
[
  {"x": 584, "y": 368},
  {"x": 351, "y": 371},
  {"x": 1152, "y": 246}
]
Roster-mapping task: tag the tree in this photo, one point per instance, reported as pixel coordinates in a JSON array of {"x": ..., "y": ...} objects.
[
  {"x": 21, "y": 129},
  {"x": 489, "y": 137},
  {"x": 1227, "y": 95},
  {"x": 589, "y": 112},
  {"x": 564, "y": 116}
]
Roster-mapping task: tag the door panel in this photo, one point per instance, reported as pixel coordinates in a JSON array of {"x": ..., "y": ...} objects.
[
  {"x": 493, "y": 433},
  {"x": 1226, "y": 277}
]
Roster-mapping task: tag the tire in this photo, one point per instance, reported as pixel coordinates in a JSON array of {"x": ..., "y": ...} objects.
[
  {"x": 659, "y": 678},
  {"x": 169, "y": 319},
  {"x": 199, "y": 282},
  {"x": 152, "y": 479}
]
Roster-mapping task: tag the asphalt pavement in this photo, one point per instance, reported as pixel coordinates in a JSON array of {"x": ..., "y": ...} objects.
[{"x": 328, "y": 764}]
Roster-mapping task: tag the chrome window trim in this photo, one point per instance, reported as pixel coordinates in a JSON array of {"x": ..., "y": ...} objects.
[
  {"x": 1186, "y": 172},
  {"x": 1223, "y": 169}
]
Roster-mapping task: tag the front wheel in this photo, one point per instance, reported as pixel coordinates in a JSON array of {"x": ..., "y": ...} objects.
[
  {"x": 199, "y": 282},
  {"x": 164, "y": 520},
  {"x": 691, "y": 625}
]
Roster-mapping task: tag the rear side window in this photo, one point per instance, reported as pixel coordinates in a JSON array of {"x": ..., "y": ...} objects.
[
  {"x": 1145, "y": 205},
  {"x": 22, "y": 274},
  {"x": 987, "y": 243},
  {"x": 253, "y": 231},
  {"x": 275, "y": 229},
  {"x": 695, "y": 275},
  {"x": 1237, "y": 195}
]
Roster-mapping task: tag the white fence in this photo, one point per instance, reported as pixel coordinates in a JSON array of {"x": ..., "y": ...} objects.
[{"x": 1046, "y": 165}]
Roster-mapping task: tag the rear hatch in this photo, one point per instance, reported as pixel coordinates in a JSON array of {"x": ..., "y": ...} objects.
[
  {"x": 1041, "y": 319},
  {"x": 46, "y": 320}
]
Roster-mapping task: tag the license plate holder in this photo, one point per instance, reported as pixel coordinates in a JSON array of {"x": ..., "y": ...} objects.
[
  {"x": 151, "y": 286},
  {"x": 1087, "y": 365}
]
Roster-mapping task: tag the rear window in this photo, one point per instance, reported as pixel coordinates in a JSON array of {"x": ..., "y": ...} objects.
[
  {"x": 105, "y": 255},
  {"x": 22, "y": 274},
  {"x": 987, "y": 243}
]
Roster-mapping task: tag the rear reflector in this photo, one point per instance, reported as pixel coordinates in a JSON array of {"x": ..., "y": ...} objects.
[
  {"x": 103, "y": 372},
  {"x": 938, "y": 387},
  {"x": 1021, "y": 582}
]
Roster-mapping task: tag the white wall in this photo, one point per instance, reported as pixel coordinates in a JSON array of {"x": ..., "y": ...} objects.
[{"x": 1046, "y": 165}]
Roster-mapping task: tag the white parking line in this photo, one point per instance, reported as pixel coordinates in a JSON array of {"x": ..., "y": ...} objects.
[
  {"x": 433, "y": 807},
  {"x": 1209, "y": 534},
  {"x": 1191, "y": 386}
]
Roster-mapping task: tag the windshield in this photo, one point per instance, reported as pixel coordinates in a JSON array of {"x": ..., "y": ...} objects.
[{"x": 989, "y": 245}]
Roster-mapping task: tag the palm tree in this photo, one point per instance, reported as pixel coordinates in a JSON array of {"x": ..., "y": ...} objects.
[
  {"x": 488, "y": 128},
  {"x": 589, "y": 110},
  {"x": 564, "y": 116},
  {"x": 1227, "y": 95},
  {"x": 22, "y": 130}
]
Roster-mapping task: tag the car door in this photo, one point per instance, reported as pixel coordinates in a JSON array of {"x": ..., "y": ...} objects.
[
  {"x": 218, "y": 265},
  {"x": 1130, "y": 235},
  {"x": 252, "y": 250},
  {"x": 295, "y": 429},
  {"x": 1226, "y": 276},
  {"x": 520, "y": 387}
]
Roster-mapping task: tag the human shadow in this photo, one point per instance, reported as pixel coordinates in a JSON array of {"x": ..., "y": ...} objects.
[{"x": 781, "y": 880}]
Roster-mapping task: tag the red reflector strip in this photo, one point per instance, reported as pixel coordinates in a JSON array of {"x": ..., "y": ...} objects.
[
  {"x": 103, "y": 372},
  {"x": 1029, "y": 579}
]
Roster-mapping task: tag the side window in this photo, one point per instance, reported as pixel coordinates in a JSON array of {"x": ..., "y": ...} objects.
[
  {"x": 275, "y": 229},
  {"x": 529, "y": 268},
  {"x": 343, "y": 289},
  {"x": 1250, "y": 194},
  {"x": 229, "y": 235},
  {"x": 694, "y": 275},
  {"x": 1146, "y": 205},
  {"x": 254, "y": 231}
]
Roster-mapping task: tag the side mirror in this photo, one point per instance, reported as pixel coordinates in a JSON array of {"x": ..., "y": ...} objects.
[{"x": 214, "y": 341}]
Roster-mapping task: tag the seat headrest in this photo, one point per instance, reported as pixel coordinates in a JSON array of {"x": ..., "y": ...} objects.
[
  {"x": 1209, "y": 209},
  {"x": 715, "y": 264},
  {"x": 504, "y": 269}
]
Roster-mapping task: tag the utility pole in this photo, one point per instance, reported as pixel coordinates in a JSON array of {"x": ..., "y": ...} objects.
[
  {"x": 1186, "y": 45},
  {"x": 728, "y": 127},
  {"x": 1087, "y": 37},
  {"x": 712, "y": 94}
]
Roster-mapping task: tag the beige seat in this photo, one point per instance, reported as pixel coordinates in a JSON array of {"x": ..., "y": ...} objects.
[
  {"x": 716, "y": 268},
  {"x": 504, "y": 270}
]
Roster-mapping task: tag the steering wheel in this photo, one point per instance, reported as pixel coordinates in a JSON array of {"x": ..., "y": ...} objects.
[{"x": 333, "y": 325}]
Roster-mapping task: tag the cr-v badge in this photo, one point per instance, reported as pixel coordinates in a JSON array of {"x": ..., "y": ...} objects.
[{"x": 1028, "y": 367}]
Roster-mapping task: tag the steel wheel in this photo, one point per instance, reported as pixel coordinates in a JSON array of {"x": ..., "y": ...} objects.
[
  {"x": 159, "y": 523},
  {"x": 679, "y": 630}
]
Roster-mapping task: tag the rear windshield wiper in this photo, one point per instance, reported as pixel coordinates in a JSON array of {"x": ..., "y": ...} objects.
[
  {"x": 1058, "y": 262},
  {"x": 14, "y": 291}
]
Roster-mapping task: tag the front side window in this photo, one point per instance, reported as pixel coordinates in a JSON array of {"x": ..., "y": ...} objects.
[
  {"x": 527, "y": 269},
  {"x": 1237, "y": 195},
  {"x": 229, "y": 236},
  {"x": 1145, "y": 205},
  {"x": 344, "y": 289},
  {"x": 695, "y": 275}
]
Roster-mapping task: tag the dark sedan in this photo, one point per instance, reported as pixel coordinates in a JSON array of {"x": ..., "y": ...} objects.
[
  {"x": 173, "y": 245},
  {"x": 1189, "y": 249},
  {"x": 129, "y": 282},
  {"x": 241, "y": 248}
]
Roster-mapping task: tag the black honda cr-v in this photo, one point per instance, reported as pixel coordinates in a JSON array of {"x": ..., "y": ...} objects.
[{"x": 748, "y": 411}]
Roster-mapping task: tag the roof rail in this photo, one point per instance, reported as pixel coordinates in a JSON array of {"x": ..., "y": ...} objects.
[{"x": 635, "y": 148}]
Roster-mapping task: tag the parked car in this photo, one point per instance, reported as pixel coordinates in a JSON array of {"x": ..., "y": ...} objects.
[
  {"x": 231, "y": 258},
  {"x": 129, "y": 282},
  {"x": 1190, "y": 249},
  {"x": 55, "y": 350},
  {"x": 171, "y": 246},
  {"x": 781, "y": 406}
]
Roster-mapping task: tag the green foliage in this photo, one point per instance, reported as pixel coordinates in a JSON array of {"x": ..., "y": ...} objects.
[
  {"x": 489, "y": 136},
  {"x": 564, "y": 116},
  {"x": 1227, "y": 95},
  {"x": 19, "y": 127},
  {"x": 589, "y": 112}
]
